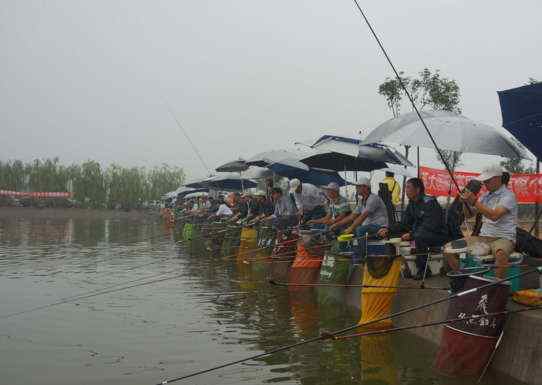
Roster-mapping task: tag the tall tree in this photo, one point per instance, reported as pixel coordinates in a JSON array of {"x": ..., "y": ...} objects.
[{"x": 428, "y": 89}]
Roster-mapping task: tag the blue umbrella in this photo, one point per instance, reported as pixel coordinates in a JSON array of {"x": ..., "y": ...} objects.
[
  {"x": 290, "y": 168},
  {"x": 521, "y": 110},
  {"x": 346, "y": 154},
  {"x": 231, "y": 182}
]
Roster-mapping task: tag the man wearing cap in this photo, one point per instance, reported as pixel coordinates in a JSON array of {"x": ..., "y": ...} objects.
[
  {"x": 261, "y": 206},
  {"x": 499, "y": 210},
  {"x": 285, "y": 214},
  {"x": 369, "y": 215},
  {"x": 337, "y": 207},
  {"x": 309, "y": 200}
]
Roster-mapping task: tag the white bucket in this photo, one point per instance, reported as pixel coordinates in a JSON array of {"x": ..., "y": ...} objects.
[{"x": 435, "y": 263}]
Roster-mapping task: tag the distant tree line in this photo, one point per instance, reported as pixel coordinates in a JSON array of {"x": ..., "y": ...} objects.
[{"x": 92, "y": 185}]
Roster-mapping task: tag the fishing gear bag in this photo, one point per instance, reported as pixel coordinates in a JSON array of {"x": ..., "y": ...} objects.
[{"x": 528, "y": 244}]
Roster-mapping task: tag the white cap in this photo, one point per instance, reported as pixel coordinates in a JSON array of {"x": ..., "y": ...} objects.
[
  {"x": 331, "y": 186},
  {"x": 294, "y": 184},
  {"x": 490, "y": 172},
  {"x": 259, "y": 193},
  {"x": 363, "y": 181}
]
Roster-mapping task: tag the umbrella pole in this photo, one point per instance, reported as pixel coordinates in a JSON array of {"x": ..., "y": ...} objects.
[
  {"x": 536, "y": 206},
  {"x": 418, "y": 159},
  {"x": 404, "y": 182}
]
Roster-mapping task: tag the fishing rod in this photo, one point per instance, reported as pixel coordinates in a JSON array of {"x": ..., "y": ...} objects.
[
  {"x": 410, "y": 98},
  {"x": 109, "y": 289},
  {"x": 194, "y": 148},
  {"x": 433, "y": 323},
  {"x": 275, "y": 283},
  {"x": 329, "y": 335}
]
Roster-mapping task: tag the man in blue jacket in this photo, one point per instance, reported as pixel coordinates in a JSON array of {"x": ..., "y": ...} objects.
[{"x": 423, "y": 222}]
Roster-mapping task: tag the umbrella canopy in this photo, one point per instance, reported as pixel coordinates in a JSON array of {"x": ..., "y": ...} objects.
[
  {"x": 346, "y": 154},
  {"x": 233, "y": 166},
  {"x": 263, "y": 159},
  {"x": 232, "y": 182},
  {"x": 196, "y": 195},
  {"x": 522, "y": 115},
  {"x": 290, "y": 168},
  {"x": 451, "y": 132}
]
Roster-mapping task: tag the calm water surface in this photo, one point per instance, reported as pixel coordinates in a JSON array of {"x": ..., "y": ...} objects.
[{"x": 171, "y": 327}]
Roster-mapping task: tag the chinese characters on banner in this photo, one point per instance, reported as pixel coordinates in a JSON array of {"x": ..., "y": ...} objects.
[{"x": 527, "y": 187}]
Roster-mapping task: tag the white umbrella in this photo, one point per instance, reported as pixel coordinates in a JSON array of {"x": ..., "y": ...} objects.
[
  {"x": 264, "y": 159},
  {"x": 451, "y": 131}
]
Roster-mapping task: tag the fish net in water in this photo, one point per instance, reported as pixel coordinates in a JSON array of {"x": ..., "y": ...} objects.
[
  {"x": 378, "y": 291},
  {"x": 247, "y": 243},
  {"x": 466, "y": 346}
]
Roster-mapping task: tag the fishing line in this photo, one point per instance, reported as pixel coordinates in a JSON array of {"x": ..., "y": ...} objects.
[
  {"x": 385, "y": 53},
  {"x": 434, "y": 323},
  {"x": 112, "y": 289},
  {"x": 329, "y": 335},
  {"x": 194, "y": 148}
]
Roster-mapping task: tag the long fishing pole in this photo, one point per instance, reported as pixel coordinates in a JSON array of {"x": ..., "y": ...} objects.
[
  {"x": 434, "y": 323},
  {"x": 329, "y": 335},
  {"x": 194, "y": 148},
  {"x": 275, "y": 283},
  {"x": 111, "y": 289},
  {"x": 410, "y": 98}
]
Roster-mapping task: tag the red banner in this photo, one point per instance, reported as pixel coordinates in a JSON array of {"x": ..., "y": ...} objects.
[
  {"x": 527, "y": 187},
  {"x": 40, "y": 194}
]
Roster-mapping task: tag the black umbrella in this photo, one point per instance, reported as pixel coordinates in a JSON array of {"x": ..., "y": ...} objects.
[
  {"x": 233, "y": 166},
  {"x": 522, "y": 115}
]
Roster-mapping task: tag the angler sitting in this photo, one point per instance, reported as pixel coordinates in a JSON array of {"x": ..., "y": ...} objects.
[
  {"x": 337, "y": 207},
  {"x": 369, "y": 216},
  {"x": 262, "y": 207},
  {"x": 499, "y": 211},
  {"x": 285, "y": 214},
  {"x": 422, "y": 222},
  {"x": 309, "y": 200},
  {"x": 224, "y": 209}
]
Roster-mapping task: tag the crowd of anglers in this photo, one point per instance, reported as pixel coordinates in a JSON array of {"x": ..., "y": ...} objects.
[{"x": 312, "y": 237}]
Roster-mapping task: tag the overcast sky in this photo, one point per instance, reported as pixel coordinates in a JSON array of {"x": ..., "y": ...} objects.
[{"x": 91, "y": 79}]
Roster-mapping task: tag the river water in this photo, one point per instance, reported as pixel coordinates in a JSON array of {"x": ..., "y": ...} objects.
[{"x": 149, "y": 311}]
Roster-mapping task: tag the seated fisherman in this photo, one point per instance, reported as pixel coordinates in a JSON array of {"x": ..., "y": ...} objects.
[
  {"x": 337, "y": 207},
  {"x": 309, "y": 199},
  {"x": 224, "y": 209},
  {"x": 499, "y": 211},
  {"x": 369, "y": 216},
  {"x": 423, "y": 222},
  {"x": 285, "y": 214},
  {"x": 262, "y": 207},
  {"x": 243, "y": 207}
]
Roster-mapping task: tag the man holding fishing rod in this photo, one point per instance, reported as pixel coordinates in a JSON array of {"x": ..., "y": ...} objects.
[{"x": 499, "y": 210}]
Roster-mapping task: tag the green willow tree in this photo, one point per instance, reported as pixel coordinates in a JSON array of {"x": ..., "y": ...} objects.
[
  {"x": 428, "y": 90},
  {"x": 92, "y": 185}
]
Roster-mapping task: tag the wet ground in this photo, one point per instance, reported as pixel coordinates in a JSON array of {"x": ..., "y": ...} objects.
[{"x": 94, "y": 300}]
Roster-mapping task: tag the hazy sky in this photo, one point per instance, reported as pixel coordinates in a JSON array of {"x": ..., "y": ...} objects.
[{"x": 91, "y": 79}]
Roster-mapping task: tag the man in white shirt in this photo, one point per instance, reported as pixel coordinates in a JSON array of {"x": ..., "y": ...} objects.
[
  {"x": 309, "y": 200},
  {"x": 499, "y": 210}
]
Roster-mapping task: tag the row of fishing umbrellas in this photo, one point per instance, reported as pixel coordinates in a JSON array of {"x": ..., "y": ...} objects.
[{"x": 323, "y": 160}]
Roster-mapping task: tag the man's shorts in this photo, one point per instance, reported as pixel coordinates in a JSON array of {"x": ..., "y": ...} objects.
[{"x": 506, "y": 245}]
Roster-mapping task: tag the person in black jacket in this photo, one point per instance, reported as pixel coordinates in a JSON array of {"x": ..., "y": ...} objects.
[{"x": 422, "y": 222}]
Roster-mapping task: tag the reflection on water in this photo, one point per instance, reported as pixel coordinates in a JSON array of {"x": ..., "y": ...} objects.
[{"x": 173, "y": 327}]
